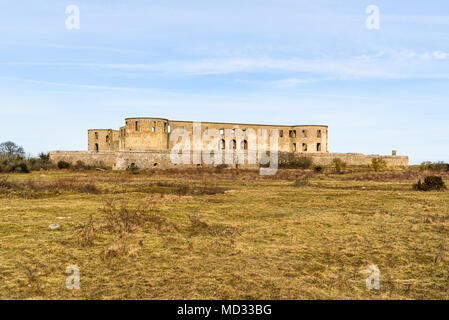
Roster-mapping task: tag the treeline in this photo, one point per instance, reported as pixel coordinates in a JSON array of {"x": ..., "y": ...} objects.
[{"x": 13, "y": 159}]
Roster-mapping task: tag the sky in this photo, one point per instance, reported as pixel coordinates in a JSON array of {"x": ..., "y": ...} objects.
[{"x": 271, "y": 62}]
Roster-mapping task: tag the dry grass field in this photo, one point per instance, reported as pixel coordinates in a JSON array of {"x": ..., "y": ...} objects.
[{"x": 222, "y": 234}]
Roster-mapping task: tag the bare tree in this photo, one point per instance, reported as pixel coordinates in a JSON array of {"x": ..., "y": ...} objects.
[{"x": 10, "y": 149}]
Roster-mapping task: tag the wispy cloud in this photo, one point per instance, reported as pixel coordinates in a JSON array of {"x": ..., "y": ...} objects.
[
  {"x": 71, "y": 85},
  {"x": 281, "y": 83},
  {"x": 392, "y": 65}
]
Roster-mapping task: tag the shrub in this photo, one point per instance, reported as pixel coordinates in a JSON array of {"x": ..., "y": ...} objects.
[
  {"x": 18, "y": 167},
  {"x": 63, "y": 165},
  {"x": 9, "y": 185},
  {"x": 431, "y": 183},
  {"x": 44, "y": 157},
  {"x": 318, "y": 169},
  {"x": 186, "y": 189},
  {"x": 222, "y": 166},
  {"x": 41, "y": 163},
  {"x": 291, "y": 161},
  {"x": 133, "y": 168},
  {"x": 80, "y": 165},
  {"x": 377, "y": 164},
  {"x": 14, "y": 165},
  {"x": 339, "y": 165},
  {"x": 433, "y": 166},
  {"x": 121, "y": 217},
  {"x": 85, "y": 233}
]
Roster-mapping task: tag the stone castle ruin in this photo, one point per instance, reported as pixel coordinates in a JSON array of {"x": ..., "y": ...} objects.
[{"x": 162, "y": 143}]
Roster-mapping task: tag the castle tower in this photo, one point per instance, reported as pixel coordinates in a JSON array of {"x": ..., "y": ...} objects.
[{"x": 145, "y": 134}]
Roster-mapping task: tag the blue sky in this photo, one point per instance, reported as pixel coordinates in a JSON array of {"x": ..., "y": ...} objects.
[{"x": 275, "y": 62}]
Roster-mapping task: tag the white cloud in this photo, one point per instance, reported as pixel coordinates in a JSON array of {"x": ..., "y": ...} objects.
[
  {"x": 71, "y": 85},
  {"x": 392, "y": 65},
  {"x": 439, "y": 55}
]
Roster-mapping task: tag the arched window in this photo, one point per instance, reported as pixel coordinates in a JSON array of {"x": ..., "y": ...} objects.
[
  {"x": 245, "y": 145},
  {"x": 304, "y": 147},
  {"x": 107, "y": 138},
  {"x": 234, "y": 144},
  {"x": 292, "y": 133},
  {"x": 96, "y": 135},
  {"x": 221, "y": 144},
  {"x": 318, "y": 134},
  {"x": 318, "y": 147},
  {"x": 96, "y": 147}
]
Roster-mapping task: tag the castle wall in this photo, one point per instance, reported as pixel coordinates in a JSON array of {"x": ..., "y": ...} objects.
[
  {"x": 354, "y": 159},
  {"x": 147, "y": 142},
  {"x": 161, "y": 159},
  {"x": 92, "y": 158}
]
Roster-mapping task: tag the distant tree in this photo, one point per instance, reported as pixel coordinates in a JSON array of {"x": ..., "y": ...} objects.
[
  {"x": 9, "y": 149},
  {"x": 378, "y": 164},
  {"x": 433, "y": 166},
  {"x": 45, "y": 157},
  {"x": 339, "y": 165}
]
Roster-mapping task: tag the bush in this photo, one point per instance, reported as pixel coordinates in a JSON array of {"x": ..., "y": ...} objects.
[
  {"x": 431, "y": 183},
  {"x": 44, "y": 157},
  {"x": 318, "y": 169},
  {"x": 14, "y": 165},
  {"x": 339, "y": 165},
  {"x": 222, "y": 166},
  {"x": 80, "y": 165},
  {"x": 20, "y": 167},
  {"x": 133, "y": 168},
  {"x": 63, "y": 165},
  {"x": 291, "y": 161},
  {"x": 122, "y": 217},
  {"x": 433, "y": 166},
  {"x": 377, "y": 164},
  {"x": 41, "y": 163}
]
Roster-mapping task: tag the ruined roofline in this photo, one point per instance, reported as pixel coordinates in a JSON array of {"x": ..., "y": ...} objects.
[{"x": 232, "y": 123}]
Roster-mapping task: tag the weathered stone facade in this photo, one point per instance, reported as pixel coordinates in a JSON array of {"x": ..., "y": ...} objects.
[
  {"x": 148, "y": 142},
  {"x": 150, "y": 134}
]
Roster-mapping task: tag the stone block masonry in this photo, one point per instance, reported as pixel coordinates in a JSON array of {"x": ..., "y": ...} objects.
[{"x": 148, "y": 142}]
